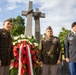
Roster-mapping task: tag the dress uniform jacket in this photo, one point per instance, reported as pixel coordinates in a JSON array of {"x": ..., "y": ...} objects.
[
  {"x": 70, "y": 47},
  {"x": 6, "y": 47},
  {"x": 50, "y": 50}
]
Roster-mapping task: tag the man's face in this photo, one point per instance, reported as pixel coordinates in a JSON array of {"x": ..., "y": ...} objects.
[
  {"x": 49, "y": 32},
  {"x": 7, "y": 25},
  {"x": 74, "y": 28}
]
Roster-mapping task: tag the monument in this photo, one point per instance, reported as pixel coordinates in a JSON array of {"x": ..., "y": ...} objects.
[{"x": 29, "y": 14}]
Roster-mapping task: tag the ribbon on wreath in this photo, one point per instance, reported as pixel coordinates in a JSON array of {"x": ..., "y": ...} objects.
[
  {"x": 30, "y": 68},
  {"x": 19, "y": 68}
]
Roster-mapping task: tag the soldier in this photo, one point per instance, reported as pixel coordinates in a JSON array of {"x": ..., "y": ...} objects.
[
  {"x": 6, "y": 47},
  {"x": 50, "y": 53},
  {"x": 70, "y": 49}
]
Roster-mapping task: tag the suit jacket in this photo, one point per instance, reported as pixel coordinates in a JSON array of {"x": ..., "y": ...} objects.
[
  {"x": 70, "y": 47},
  {"x": 50, "y": 50},
  {"x": 6, "y": 47}
]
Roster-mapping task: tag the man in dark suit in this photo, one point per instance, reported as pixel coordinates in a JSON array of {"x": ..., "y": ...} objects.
[
  {"x": 6, "y": 47},
  {"x": 50, "y": 53},
  {"x": 70, "y": 49}
]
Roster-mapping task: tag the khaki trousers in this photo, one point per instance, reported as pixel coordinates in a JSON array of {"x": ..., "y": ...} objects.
[
  {"x": 49, "y": 69},
  {"x": 4, "y": 70}
]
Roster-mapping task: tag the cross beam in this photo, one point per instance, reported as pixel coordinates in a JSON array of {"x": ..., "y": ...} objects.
[{"x": 25, "y": 13}]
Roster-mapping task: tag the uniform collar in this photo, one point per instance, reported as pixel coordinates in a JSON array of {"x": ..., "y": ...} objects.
[
  {"x": 50, "y": 38},
  {"x": 74, "y": 32},
  {"x": 5, "y": 30}
]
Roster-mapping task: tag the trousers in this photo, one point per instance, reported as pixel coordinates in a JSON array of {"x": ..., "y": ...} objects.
[
  {"x": 4, "y": 70},
  {"x": 49, "y": 69},
  {"x": 72, "y": 67}
]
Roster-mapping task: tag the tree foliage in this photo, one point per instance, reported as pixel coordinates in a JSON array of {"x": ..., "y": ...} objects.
[
  {"x": 18, "y": 26},
  {"x": 62, "y": 35}
]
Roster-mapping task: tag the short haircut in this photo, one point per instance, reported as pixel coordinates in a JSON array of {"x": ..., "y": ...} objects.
[
  {"x": 9, "y": 19},
  {"x": 73, "y": 24},
  {"x": 49, "y": 28}
]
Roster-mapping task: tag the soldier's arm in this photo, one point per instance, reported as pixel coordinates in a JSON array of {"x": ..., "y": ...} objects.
[
  {"x": 59, "y": 50},
  {"x": 12, "y": 56}
]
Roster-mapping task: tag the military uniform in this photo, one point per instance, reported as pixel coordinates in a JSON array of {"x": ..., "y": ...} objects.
[
  {"x": 70, "y": 49},
  {"x": 70, "y": 46},
  {"x": 50, "y": 53},
  {"x": 6, "y": 47},
  {"x": 50, "y": 50}
]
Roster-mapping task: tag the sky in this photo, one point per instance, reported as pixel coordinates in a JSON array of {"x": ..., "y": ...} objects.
[{"x": 58, "y": 13}]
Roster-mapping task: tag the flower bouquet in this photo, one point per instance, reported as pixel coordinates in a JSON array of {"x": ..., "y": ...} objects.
[{"x": 25, "y": 50}]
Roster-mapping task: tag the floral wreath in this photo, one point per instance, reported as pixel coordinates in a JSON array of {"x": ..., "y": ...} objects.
[{"x": 33, "y": 45}]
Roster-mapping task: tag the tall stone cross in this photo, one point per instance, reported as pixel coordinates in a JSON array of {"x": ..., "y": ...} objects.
[
  {"x": 28, "y": 14},
  {"x": 37, "y": 16}
]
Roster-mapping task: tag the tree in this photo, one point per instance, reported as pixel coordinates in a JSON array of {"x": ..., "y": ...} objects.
[
  {"x": 62, "y": 35},
  {"x": 18, "y": 26}
]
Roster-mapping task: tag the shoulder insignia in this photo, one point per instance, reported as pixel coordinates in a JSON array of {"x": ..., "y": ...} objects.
[
  {"x": 70, "y": 36},
  {"x": 55, "y": 39}
]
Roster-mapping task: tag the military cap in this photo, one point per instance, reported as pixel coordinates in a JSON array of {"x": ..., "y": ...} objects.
[
  {"x": 9, "y": 19},
  {"x": 73, "y": 24},
  {"x": 49, "y": 27}
]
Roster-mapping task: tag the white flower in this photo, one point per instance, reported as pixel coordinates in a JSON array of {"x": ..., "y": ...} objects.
[
  {"x": 30, "y": 42},
  {"x": 29, "y": 37},
  {"x": 16, "y": 37},
  {"x": 11, "y": 67},
  {"x": 22, "y": 36},
  {"x": 19, "y": 41},
  {"x": 36, "y": 44},
  {"x": 14, "y": 43},
  {"x": 23, "y": 40}
]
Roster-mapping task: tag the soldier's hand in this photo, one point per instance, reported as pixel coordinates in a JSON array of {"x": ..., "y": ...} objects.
[
  {"x": 0, "y": 62},
  {"x": 58, "y": 62},
  {"x": 67, "y": 59},
  {"x": 48, "y": 53},
  {"x": 41, "y": 63}
]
